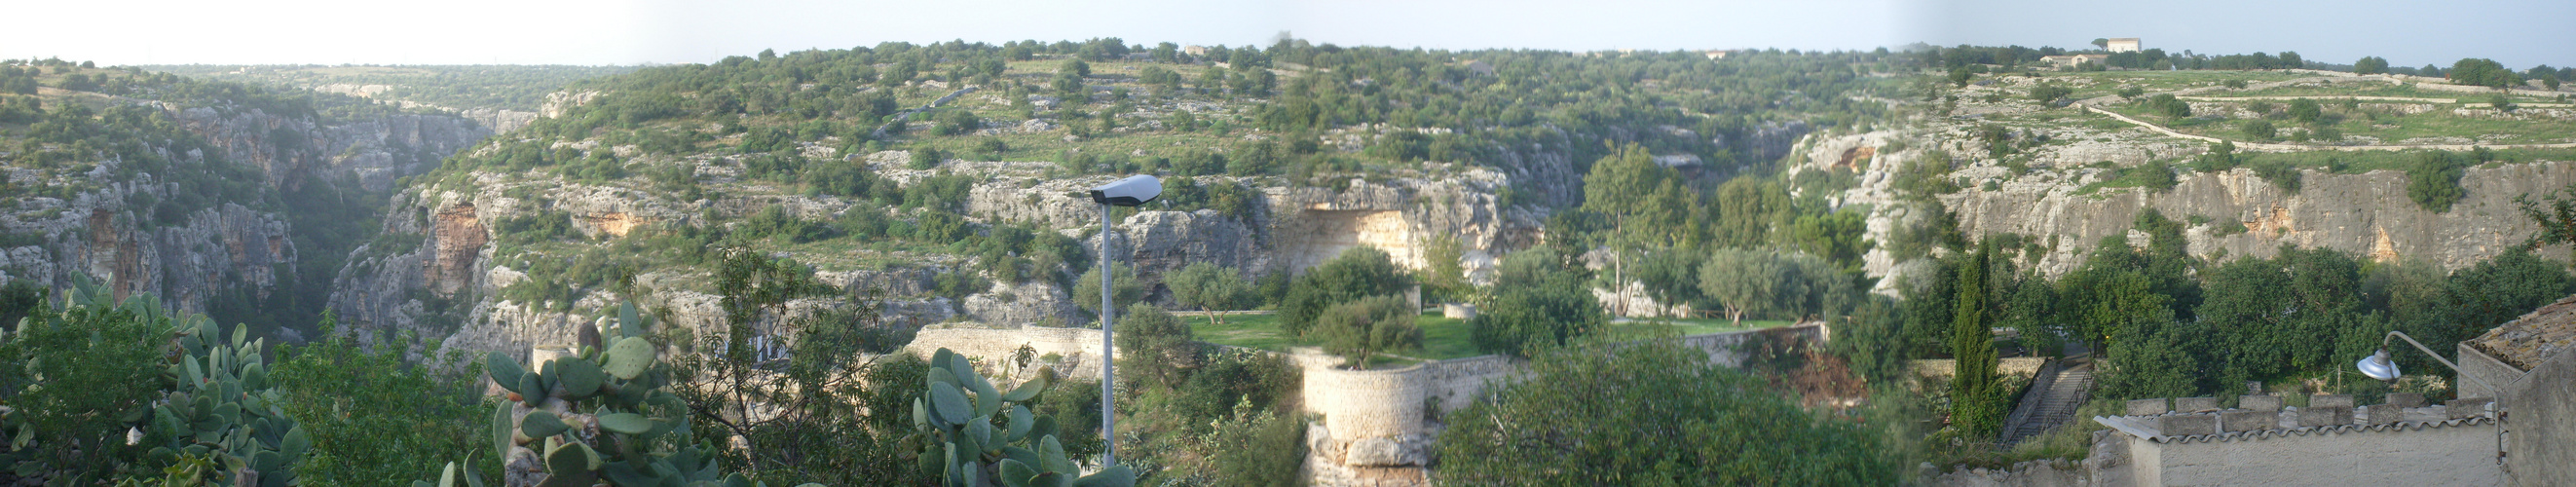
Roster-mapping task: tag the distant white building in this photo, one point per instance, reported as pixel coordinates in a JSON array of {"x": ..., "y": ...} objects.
[
  {"x": 2071, "y": 60},
  {"x": 1717, "y": 53},
  {"x": 1194, "y": 50},
  {"x": 2122, "y": 44}
]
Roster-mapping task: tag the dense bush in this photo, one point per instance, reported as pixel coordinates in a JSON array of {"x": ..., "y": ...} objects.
[
  {"x": 1156, "y": 345},
  {"x": 1358, "y": 330},
  {"x": 1650, "y": 413},
  {"x": 1538, "y": 300},
  {"x": 78, "y": 375},
  {"x": 2433, "y": 180},
  {"x": 1357, "y": 273},
  {"x": 1123, "y": 289},
  {"x": 375, "y": 418}
]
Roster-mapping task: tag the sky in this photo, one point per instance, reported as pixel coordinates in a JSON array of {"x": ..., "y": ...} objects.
[{"x": 2518, "y": 33}]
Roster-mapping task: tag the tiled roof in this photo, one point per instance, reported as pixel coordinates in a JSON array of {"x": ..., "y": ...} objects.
[
  {"x": 2145, "y": 427},
  {"x": 2526, "y": 341}
]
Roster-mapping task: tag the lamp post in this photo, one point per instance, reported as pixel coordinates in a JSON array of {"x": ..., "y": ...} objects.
[
  {"x": 2377, "y": 366},
  {"x": 1130, "y": 191}
]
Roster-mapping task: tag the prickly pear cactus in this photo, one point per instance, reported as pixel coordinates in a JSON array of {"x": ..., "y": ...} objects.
[
  {"x": 966, "y": 447},
  {"x": 596, "y": 416},
  {"x": 218, "y": 412}
]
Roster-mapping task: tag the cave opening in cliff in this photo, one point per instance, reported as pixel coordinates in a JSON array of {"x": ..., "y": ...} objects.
[{"x": 1315, "y": 236}]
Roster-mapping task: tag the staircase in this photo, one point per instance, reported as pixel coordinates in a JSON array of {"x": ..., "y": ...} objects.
[{"x": 2051, "y": 403}]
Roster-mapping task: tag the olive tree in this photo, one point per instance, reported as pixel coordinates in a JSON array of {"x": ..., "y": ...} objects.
[
  {"x": 1210, "y": 287},
  {"x": 1360, "y": 329}
]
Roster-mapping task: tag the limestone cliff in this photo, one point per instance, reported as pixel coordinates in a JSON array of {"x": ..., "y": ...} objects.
[
  {"x": 99, "y": 235},
  {"x": 375, "y": 150},
  {"x": 2365, "y": 214},
  {"x": 116, "y": 235},
  {"x": 436, "y": 268}
]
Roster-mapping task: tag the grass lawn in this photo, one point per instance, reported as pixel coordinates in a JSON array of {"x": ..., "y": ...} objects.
[{"x": 1442, "y": 338}]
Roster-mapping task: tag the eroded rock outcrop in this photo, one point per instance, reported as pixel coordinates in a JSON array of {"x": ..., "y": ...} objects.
[
  {"x": 2366, "y": 214},
  {"x": 187, "y": 256},
  {"x": 375, "y": 150},
  {"x": 131, "y": 250}
]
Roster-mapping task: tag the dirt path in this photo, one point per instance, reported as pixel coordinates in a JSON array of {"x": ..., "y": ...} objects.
[{"x": 2320, "y": 97}]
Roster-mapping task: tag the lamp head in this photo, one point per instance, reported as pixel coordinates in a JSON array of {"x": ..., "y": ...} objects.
[
  {"x": 2377, "y": 366},
  {"x": 1130, "y": 191}
]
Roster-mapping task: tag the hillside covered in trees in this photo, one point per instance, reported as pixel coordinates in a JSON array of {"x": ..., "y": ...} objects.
[{"x": 710, "y": 274}]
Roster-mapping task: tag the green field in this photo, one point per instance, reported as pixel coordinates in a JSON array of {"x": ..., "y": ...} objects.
[
  {"x": 2389, "y": 126},
  {"x": 2109, "y": 82},
  {"x": 1442, "y": 338}
]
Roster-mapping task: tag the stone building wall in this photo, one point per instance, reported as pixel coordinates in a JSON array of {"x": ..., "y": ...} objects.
[
  {"x": 2191, "y": 441},
  {"x": 2454, "y": 455},
  {"x": 2543, "y": 423},
  {"x": 2476, "y": 365}
]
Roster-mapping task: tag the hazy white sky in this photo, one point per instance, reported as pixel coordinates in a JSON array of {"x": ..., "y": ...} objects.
[{"x": 2517, "y": 32}]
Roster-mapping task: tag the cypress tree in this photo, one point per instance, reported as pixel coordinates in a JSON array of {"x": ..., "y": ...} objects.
[{"x": 1976, "y": 405}]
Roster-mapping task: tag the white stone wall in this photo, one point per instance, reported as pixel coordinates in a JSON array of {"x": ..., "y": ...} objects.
[{"x": 2454, "y": 455}]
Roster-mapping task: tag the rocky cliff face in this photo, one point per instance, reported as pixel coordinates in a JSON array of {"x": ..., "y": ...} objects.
[
  {"x": 188, "y": 258},
  {"x": 97, "y": 234},
  {"x": 441, "y": 269},
  {"x": 2366, "y": 214},
  {"x": 374, "y": 150}
]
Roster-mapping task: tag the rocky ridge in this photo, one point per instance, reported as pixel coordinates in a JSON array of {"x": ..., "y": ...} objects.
[
  {"x": 188, "y": 258},
  {"x": 450, "y": 274}
]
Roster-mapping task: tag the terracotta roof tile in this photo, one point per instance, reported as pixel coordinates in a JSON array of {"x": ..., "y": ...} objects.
[{"x": 2525, "y": 341}]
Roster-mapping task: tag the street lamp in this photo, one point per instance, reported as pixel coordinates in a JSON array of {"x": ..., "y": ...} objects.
[
  {"x": 2377, "y": 365},
  {"x": 1130, "y": 191}
]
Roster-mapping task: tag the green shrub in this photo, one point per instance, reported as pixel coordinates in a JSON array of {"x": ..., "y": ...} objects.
[
  {"x": 2167, "y": 105},
  {"x": 2306, "y": 111},
  {"x": 2049, "y": 93},
  {"x": 2433, "y": 180},
  {"x": 1358, "y": 330},
  {"x": 1538, "y": 301},
  {"x": 533, "y": 227},
  {"x": 2281, "y": 173},
  {"x": 1357, "y": 273},
  {"x": 78, "y": 375},
  {"x": 374, "y": 418},
  {"x": 2260, "y": 130},
  {"x": 1651, "y": 413},
  {"x": 925, "y": 158}
]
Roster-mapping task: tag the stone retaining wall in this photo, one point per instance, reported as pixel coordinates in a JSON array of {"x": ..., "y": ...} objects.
[{"x": 1942, "y": 367}]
